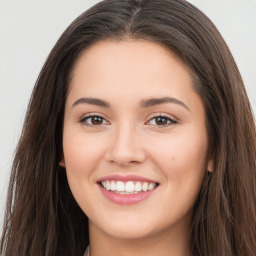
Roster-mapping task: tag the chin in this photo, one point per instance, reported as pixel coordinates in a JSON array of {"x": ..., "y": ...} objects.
[
  {"x": 125, "y": 228},
  {"x": 128, "y": 232}
]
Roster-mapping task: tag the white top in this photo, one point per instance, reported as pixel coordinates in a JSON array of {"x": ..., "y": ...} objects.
[{"x": 87, "y": 251}]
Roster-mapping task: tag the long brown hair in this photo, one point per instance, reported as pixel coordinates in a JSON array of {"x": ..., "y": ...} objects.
[{"x": 42, "y": 217}]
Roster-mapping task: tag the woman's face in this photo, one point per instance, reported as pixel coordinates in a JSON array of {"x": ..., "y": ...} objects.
[{"x": 134, "y": 140}]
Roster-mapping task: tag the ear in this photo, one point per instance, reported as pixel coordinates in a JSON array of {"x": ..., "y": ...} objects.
[
  {"x": 62, "y": 163},
  {"x": 210, "y": 165}
]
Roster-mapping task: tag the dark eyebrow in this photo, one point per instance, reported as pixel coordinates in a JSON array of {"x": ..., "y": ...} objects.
[
  {"x": 92, "y": 101},
  {"x": 144, "y": 103},
  {"x": 157, "y": 101}
]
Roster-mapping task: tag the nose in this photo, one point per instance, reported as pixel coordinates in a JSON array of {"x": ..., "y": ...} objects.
[{"x": 126, "y": 148}]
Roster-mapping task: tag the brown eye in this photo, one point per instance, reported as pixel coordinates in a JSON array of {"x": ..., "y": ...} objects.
[
  {"x": 93, "y": 120},
  {"x": 161, "y": 121},
  {"x": 96, "y": 120}
]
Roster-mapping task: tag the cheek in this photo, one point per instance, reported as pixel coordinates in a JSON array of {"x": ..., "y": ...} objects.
[
  {"x": 80, "y": 152},
  {"x": 182, "y": 156},
  {"x": 82, "y": 155}
]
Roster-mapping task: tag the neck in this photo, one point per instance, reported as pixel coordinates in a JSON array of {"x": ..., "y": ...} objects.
[{"x": 173, "y": 242}]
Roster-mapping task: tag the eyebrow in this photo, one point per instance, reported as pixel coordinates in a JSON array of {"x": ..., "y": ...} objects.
[
  {"x": 144, "y": 104},
  {"x": 92, "y": 101},
  {"x": 158, "y": 101}
]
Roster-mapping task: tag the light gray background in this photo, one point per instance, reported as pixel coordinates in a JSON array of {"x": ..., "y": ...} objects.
[{"x": 29, "y": 29}]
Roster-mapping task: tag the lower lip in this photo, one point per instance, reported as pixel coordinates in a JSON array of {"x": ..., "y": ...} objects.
[{"x": 126, "y": 199}]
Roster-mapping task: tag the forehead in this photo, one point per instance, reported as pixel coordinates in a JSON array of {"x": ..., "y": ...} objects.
[
  {"x": 129, "y": 52},
  {"x": 129, "y": 69}
]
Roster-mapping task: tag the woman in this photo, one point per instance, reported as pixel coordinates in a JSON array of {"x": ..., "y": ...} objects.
[{"x": 139, "y": 132}]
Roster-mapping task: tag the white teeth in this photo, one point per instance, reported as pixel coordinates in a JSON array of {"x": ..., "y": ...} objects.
[
  {"x": 119, "y": 186},
  {"x": 151, "y": 186},
  {"x": 137, "y": 187},
  {"x": 145, "y": 186},
  {"x": 125, "y": 193},
  {"x": 108, "y": 185},
  {"x": 113, "y": 186},
  {"x": 129, "y": 187}
]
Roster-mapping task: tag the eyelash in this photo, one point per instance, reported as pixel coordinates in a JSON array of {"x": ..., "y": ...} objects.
[
  {"x": 85, "y": 118},
  {"x": 170, "y": 121},
  {"x": 167, "y": 118}
]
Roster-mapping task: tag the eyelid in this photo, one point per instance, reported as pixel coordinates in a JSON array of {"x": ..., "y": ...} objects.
[
  {"x": 89, "y": 115},
  {"x": 172, "y": 119},
  {"x": 167, "y": 116}
]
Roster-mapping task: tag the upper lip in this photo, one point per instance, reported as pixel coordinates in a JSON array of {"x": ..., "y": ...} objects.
[{"x": 124, "y": 178}]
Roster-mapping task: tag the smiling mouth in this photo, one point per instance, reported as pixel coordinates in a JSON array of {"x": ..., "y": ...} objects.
[{"x": 128, "y": 187}]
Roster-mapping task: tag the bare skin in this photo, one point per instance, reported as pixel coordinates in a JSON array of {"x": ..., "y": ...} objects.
[{"x": 147, "y": 120}]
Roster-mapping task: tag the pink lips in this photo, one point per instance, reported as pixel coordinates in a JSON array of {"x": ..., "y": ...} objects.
[
  {"x": 126, "y": 178},
  {"x": 125, "y": 199}
]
